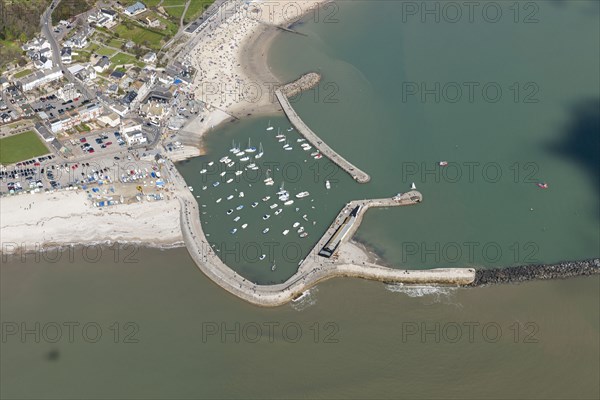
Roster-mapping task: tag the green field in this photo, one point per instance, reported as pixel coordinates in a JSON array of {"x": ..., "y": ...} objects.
[
  {"x": 140, "y": 35},
  {"x": 115, "y": 43},
  {"x": 175, "y": 12},
  {"x": 21, "y": 147},
  {"x": 195, "y": 9},
  {"x": 122, "y": 58},
  {"x": 22, "y": 73},
  {"x": 105, "y": 51}
]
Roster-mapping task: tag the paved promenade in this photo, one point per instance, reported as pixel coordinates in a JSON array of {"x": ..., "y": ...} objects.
[
  {"x": 358, "y": 175},
  {"x": 311, "y": 271}
]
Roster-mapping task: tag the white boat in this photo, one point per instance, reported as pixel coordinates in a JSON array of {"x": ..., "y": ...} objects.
[
  {"x": 230, "y": 197},
  {"x": 318, "y": 156},
  {"x": 273, "y": 267},
  {"x": 286, "y": 232},
  {"x": 327, "y": 185},
  {"x": 254, "y": 204},
  {"x": 250, "y": 149},
  {"x": 281, "y": 189},
  {"x": 240, "y": 153},
  {"x": 307, "y": 147},
  {"x": 229, "y": 180},
  {"x": 239, "y": 207},
  {"x": 273, "y": 206},
  {"x": 281, "y": 140},
  {"x": 303, "y": 234},
  {"x": 191, "y": 188},
  {"x": 224, "y": 159},
  {"x": 203, "y": 171},
  {"x": 229, "y": 212},
  {"x": 413, "y": 186},
  {"x": 251, "y": 165},
  {"x": 260, "y": 152},
  {"x": 238, "y": 173},
  {"x": 290, "y": 129},
  {"x": 278, "y": 211},
  {"x": 265, "y": 230},
  {"x": 284, "y": 197},
  {"x": 223, "y": 173},
  {"x": 234, "y": 148},
  {"x": 314, "y": 153},
  {"x": 270, "y": 182},
  {"x": 236, "y": 219},
  {"x": 266, "y": 198},
  {"x": 305, "y": 218},
  {"x": 301, "y": 229},
  {"x": 242, "y": 194},
  {"x": 244, "y": 226},
  {"x": 300, "y": 140},
  {"x": 266, "y": 217},
  {"x": 296, "y": 224},
  {"x": 204, "y": 187},
  {"x": 219, "y": 200},
  {"x": 233, "y": 231},
  {"x": 262, "y": 257},
  {"x": 288, "y": 203},
  {"x": 302, "y": 195},
  {"x": 244, "y": 159},
  {"x": 210, "y": 164},
  {"x": 269, "y": 127},
  {"x": 231, "y": 164}
]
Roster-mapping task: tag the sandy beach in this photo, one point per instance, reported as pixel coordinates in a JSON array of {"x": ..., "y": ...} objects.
[
  {"x": 232, "y": 52},
  {"x": 68, "y": 217}
]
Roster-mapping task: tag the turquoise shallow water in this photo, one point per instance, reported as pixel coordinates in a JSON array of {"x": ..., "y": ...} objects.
[{"x": 389, "y": 102}]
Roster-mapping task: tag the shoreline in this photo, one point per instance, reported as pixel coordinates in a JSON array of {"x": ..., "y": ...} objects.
[{"x": 240, "y": 83}]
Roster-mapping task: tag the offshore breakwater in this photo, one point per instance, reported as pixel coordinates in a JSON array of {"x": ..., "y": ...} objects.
[{"x": 525, "y": 273}]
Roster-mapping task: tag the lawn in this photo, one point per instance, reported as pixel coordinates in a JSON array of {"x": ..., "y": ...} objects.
[
  {"x": 22, "y": 73},
  {"x": 175, "y": 12},
  {"x": 115, "y": 43},
  {"x": 140, "y": 35},
  {"x": 105, "y": 51},
  {"x": 195, "y": 9},
  {"x": 122, "y": 58},
  {"x": 21, "y": 147}
]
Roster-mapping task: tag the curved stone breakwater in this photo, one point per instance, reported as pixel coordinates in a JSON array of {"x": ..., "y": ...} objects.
[
  {"x": 306, "y": 82},
  {"x": 536, "y": 272}
]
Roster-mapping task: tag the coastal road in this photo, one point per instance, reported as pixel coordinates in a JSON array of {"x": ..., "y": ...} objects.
[{"x": 46, "y": 23}]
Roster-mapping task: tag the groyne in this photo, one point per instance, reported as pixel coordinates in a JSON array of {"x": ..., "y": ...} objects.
[
  {"x": 291, "y": 89},
  {"x": 536, "y": 272}
]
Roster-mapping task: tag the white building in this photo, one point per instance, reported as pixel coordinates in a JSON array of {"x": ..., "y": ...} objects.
[
  {"x": 135, "y": 9},
  {"x": 149, "y": 57},
  {"x": 102, "y": 65},
  {"x": 40, "y": 78},
  {"x": 135, "y": 137},
  {"x": 112, "y": 119}
]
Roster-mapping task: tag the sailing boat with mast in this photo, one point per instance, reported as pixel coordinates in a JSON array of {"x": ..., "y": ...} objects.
[
  {"x": 250, "y": 149},
  {"x": 260, "y": 152},
  {"x": 269, "y": 126}
]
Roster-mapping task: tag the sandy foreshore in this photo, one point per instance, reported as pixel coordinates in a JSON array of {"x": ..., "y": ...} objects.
[
  {"x": 35, "y": 221},
  {"x": 231, "y": 54}
]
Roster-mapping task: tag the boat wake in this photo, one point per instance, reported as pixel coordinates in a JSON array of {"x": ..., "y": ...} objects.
[
  {"x": 308, "y": 299},
  {"x": 437, "y": 294}
]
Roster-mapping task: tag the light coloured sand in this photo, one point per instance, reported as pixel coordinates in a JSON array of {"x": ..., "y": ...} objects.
[{"x": 68, "y": 217}]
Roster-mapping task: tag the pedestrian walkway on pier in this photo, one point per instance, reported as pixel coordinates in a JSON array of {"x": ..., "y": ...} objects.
[{"x": 289, "y": 90}]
